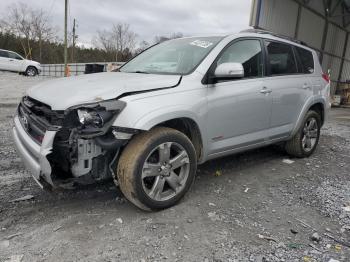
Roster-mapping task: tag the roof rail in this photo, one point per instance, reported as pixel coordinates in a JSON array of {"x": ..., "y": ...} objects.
[{"x": 260, "y": 31}]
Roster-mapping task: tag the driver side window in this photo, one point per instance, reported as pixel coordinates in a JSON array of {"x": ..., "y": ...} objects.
[{"x": 246, "y": 52}]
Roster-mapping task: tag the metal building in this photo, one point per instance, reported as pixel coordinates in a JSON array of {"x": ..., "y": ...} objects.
[{"x": 323, "y": 25}]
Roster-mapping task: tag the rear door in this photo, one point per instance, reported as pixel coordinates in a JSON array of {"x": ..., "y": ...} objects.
[
  {"x": 307, "y": 64},
  {"x": 290, "y": 87}
]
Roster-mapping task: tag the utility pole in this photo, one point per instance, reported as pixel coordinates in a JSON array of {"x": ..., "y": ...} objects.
[
  {"x": 65, "y": 36},
  {"x": 74, "y": 38}
]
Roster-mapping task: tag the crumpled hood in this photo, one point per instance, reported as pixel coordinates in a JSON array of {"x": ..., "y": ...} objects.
[{"x": 63, "y": 93}]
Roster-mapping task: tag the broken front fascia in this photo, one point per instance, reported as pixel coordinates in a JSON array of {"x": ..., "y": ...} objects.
[
  {"x": 90, "y": 139},
  {"x": 106, "y": 111},
  {"x": 36, "y": 154}
]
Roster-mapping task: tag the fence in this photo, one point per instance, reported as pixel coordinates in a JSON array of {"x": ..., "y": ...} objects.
[{"x": 57, "y": 70}]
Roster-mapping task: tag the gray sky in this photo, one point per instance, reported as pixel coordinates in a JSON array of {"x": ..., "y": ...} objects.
[{"x": 148, "y": 18}]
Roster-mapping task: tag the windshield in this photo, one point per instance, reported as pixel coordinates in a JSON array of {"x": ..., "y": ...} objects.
[{"x": 177, "y": 57}]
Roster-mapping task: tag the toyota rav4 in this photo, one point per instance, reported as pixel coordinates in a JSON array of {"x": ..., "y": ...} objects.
[{"x": 175, "y": 105}]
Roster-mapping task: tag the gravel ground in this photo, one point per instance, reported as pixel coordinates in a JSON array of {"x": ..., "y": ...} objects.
[
  {"x": 13, "y": 87},
  {"x": 258, "y": 208}
]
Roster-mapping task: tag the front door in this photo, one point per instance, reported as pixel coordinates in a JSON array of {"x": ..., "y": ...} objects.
[
  {"x": 239, "y": 110},
  {"x": 15, "y": 62}
]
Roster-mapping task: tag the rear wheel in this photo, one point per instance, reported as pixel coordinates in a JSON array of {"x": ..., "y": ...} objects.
[
  {"x": 305, "y": 141},
  {"x": 31, "y": 71},
  {"x": 157, "y": 168}
]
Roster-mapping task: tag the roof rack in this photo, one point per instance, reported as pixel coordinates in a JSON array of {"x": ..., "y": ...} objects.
[{"x": 261, "y": 31}]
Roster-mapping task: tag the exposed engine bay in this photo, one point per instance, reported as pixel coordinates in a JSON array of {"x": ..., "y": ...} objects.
[{"x": 86, "y": 146}]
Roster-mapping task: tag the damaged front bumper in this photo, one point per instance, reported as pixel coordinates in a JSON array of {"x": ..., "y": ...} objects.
[
  {"x": 59, "y": 150},
  {"x": 34, "y": 155}
]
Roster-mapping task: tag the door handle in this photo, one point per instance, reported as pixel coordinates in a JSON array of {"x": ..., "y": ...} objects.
[
  {"x": 306, "y": 86},
  {"x": 265, "y": 90},
  {"x": 11, "y": 60}
]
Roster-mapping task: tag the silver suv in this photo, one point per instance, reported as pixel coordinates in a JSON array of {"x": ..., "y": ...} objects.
[{"x": 177, "y": 104}]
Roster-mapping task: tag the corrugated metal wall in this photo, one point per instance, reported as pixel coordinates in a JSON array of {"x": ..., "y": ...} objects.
[
  {"x": 347, "y": 53},
  {"x": 283, "y": 21},
  {"x": 335, "y": 40},
  {"x": 315, "y": 4},
  {"x": 346, "y": 71},
  {"x": 346, "y": 68},
  {"x": 282, "y": 17},
  {"x": 310, "y": 22}
]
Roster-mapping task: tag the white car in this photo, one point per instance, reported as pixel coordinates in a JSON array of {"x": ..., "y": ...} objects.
[{"x": 11, "y": 61}]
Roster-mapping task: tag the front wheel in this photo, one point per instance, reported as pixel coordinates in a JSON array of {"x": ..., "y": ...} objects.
[
  {"x": 31, "y": 71},
  {"x": 305, "y": 141},
  {"x": 157, "y": 168}
]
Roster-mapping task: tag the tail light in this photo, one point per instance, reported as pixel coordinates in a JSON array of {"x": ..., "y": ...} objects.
[{"x": 326, "y": 77}]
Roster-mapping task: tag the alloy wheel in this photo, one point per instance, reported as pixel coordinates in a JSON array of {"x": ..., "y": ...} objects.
[
  {"x": 31, "y": 72},
  {"x": 165, "y": 171},
  {"x": 310, "y": 134}
]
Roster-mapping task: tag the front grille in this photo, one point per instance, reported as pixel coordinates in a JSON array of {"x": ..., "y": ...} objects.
[
  {"x": 36, "y": 118},
  {"x": 43, "y": 111}
]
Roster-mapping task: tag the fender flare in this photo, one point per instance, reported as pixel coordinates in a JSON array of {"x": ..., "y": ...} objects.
[
  {"x": 163, "y": 114},
  {"x": 311, "y": 102}
]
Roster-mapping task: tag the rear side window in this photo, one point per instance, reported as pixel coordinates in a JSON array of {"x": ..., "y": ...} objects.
[
  {"x": 3, "y": 54},
  {"x": 306, "y": 59},
  {"x": 281, "y": 60}
]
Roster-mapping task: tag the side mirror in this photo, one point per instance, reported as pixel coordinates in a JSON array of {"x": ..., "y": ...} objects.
[{"x": 229, "y": 71}]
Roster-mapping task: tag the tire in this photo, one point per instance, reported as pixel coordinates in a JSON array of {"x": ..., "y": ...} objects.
[
  {"x": 31, "y": 71},
  {"x": 297, "y": 146},
  {"x": 141, "y": 160}
]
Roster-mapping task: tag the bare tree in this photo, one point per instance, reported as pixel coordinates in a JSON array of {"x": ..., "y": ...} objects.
[
  {"x": 123, "y": 37},
  {"x": 4, "y": 28},
  {"x": 118, "y": 40},
  {"x": 104, "y": 40},
  {"x": 28, "y": 25},
  {"x": 42, "y": 29},
  {"x": 19, "y": 23},
  {"x": 143, "y": 45}
]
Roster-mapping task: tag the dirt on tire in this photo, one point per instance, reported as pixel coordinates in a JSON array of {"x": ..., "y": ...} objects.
[{"x": 131, "y": 155}]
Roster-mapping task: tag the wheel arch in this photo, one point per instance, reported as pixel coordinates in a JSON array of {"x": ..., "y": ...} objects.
[
  {"x": 190, "y": 128},
  {"x": 316, "y": 105},
  {"x": 320, "y": 109}
]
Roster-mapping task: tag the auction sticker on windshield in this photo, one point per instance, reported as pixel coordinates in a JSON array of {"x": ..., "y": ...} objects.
[{"x": 201, "y": 43}]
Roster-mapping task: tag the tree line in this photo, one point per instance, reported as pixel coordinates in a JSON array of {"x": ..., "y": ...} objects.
[{"x": 30, "y": 32}]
